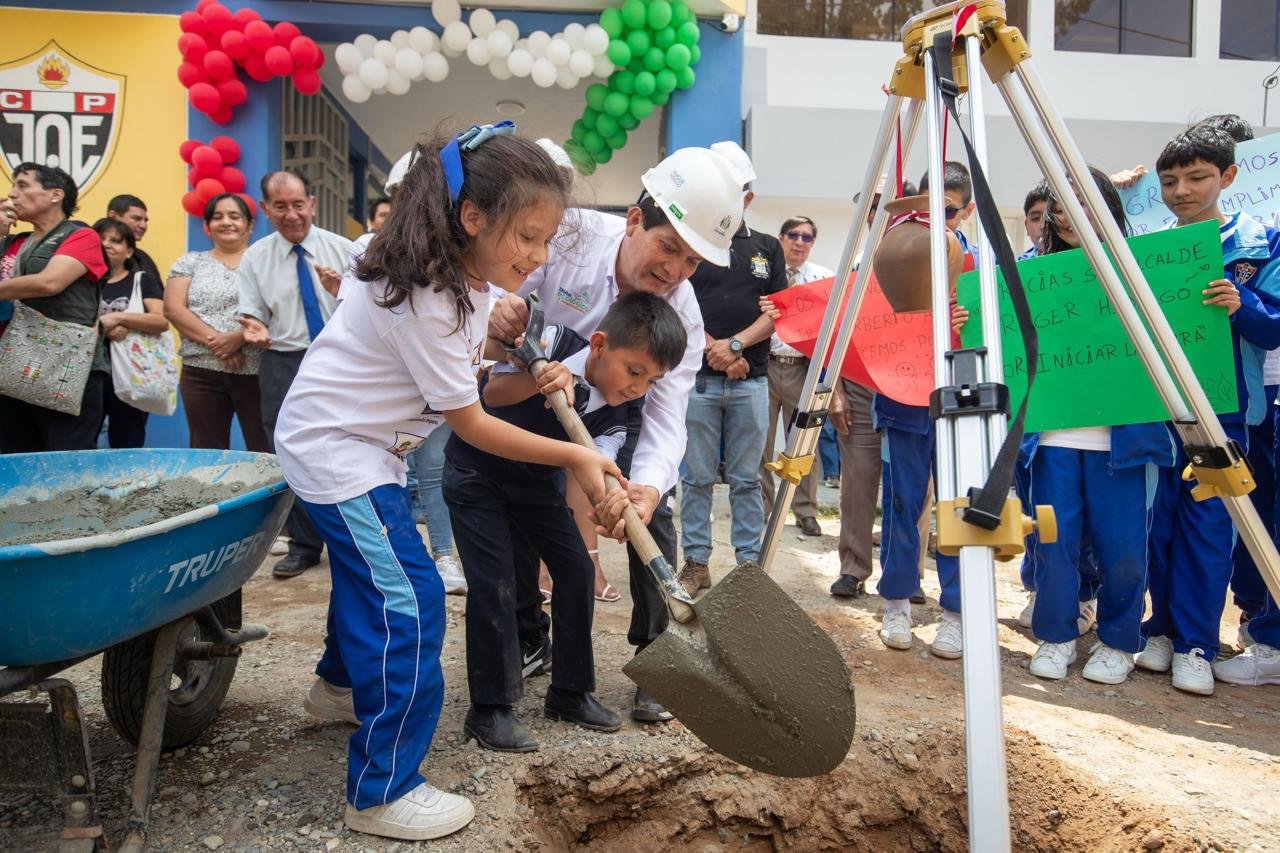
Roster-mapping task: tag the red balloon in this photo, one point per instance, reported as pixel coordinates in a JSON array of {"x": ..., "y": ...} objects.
[
  {"x": 259, "y": 36},
  {"x": 285, "y": 33},
  {"x": 192, "y": 22},
  {"x": 189, "y": 74},
  {"x": 227, "y": 148},
  {"x": 218, "y": 65},
  {"x": 249, "y": 202},
  {"x": 185, "y": 149},
  {"x": 244, "y": 16},
  {"x": 204, "y": 97},
  {"x": 192, "y": 47},
  {"x": 232, "y": 178},
  {"x": 305, "y": 52},
  {"x": 218, "y": 17},
  {"x": 307, "y": 81},
  {"x": 202, "y": 3},
  {"x": 206, "y": 160},
  {"x": 193, "y": 177},
  {"x": 256, "y": 67},
  {"x": 279, "y": 61},
  {"x": 222, "y": 115},
  {"x": 192, "y": 204},
  {"x": 233, "y": 92},
  {"x": 234, "y": 44}
]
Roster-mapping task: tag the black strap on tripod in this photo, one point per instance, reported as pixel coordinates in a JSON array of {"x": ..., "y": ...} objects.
[{"x": 986, "y": 504}]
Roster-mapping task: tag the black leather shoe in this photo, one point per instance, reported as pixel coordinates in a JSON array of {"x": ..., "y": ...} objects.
[
  {"x": 291, "y": 566},
  {"x": 847, "y": 586},
  {"x": 498, "y": 728},
  {"x": 646, "y": 709},
  {"x": 809, "y": 525},
  {"x": 572, "y": 706},
  {"x": 917, "y": 597}
]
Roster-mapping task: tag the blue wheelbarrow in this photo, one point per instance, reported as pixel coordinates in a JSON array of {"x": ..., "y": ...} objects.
[{"x": 139, "y": 555}]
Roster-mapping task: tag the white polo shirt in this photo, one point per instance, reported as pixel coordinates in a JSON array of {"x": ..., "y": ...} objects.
[
  {"x": 576, "y": 286},
  {"x": 372, "y": 388},
  {"x": 807, "y": 272}
]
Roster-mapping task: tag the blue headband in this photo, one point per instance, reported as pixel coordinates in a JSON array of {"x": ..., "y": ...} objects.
[{"x": 451, "y": 154}]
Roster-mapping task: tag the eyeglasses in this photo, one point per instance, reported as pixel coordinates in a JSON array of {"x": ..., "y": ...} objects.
[
  {"x": 799, "y": 235},
  {"x": 951, "y": 212}
]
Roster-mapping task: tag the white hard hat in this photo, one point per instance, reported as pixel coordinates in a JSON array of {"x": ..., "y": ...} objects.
[
  {"x": 556, "y": 153},
  {"x": 737, "y": 158},
  {"x": 398, "y": 171},
  {"x": 701, "y": 195}
]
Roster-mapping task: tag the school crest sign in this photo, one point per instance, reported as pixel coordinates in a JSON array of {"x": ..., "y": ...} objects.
[{"x": 59, "y": 111}]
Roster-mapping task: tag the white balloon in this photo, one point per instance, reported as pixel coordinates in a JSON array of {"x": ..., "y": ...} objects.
[
  {"x": 538, "y": 41},
  {"x": 573, "y": 34},
  {"x": 423, "y": 40},
  {"x": 559, "y": 52},
  {"x": 450, "y": 52},
  {"x": 385, "y": 52},
  {"x": 400, "y": 38},
  {"x": 499, "y": 44},
  {"x": 457, "y": 36},
  {"x": 511, "y": 28},
  {"x": 348, "y": 57},
  {"x": 581, "y": 63},
  {"x": 520, "y": 62},
  {"x": 365, "y": 43},
  {"x": 603, "y": 66},
  {"x": 499, "y": 69},
  {"x": 544, "y": 73},
  {"x": 373, "y": 73},
  {"x": 381, "y": 90},
  {"x": 521, "y": 44},
  {"x": 354, "y": 89},
  {"x": 435, "y": 67},
  {"x": 408, "y": 63},
  {"x": 595, "y": 40},
  {"x": 566, "y": 79},
  {"x": 478, "y": 52},
  {"x": 446, "y": 11},
  {"x": 397, "y": 84},
  {"x": 482, "y": 22}
]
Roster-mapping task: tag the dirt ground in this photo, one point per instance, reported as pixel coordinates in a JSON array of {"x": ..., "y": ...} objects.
[{"x": 1135, "y": 767}]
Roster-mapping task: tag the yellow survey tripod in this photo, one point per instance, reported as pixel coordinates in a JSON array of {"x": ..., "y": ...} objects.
[{"x": 945, "y": 52}]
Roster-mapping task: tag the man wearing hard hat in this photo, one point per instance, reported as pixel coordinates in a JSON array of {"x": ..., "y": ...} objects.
[{"x": 689, "y": 211}]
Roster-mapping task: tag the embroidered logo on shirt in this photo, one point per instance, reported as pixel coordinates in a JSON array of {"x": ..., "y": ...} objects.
[
  {"x": 1244, "y": 272},
  {"x": 405, "y": 442},
  {"x": 760, "y": 266},
  {"x": 577, "y": 301}
]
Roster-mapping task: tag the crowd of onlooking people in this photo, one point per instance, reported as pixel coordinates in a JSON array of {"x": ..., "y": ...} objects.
[{"x": 357, "y": 363}]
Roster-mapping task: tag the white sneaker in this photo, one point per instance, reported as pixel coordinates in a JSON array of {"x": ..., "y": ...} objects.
[
  {"x": 1243, "y": 638},
  {"x": 949, "y": 643},
  {"x": 1157, "y": 656},
  {"x": 326, "y": 702},
  {"x": 1256, "y": 665},
  {"x": 1192, "y": 673},
  {"x": 455, "y": 583},
  {"x": 423, "y": 813},
  {"x": 1024, "y": 618},
  {"x": 280, "y": 547},
  {"x": 1088, "y": 616},
  {"x": 895, "y": 631},
  {"x": 1052, "y": 659},
  {"x": 1107, "y": 665}
]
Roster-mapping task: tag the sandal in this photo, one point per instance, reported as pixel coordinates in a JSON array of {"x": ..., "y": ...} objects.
[
  {"x": 546, "y": 595},
  {"x": 609, "y": 594}
]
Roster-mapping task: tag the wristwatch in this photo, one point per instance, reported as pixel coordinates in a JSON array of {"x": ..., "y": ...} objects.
[{"x": 735, "y": 346}]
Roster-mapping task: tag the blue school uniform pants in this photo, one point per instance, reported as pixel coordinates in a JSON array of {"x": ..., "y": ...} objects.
[
  {"x": 1247, "y": 586},
  {"x": 1111, "y": 507},
  {"x": 386, "y": 627},
  {"x": 1190, "y": 567},
  {"x": 1089, "y": 578},
  {"x": 906, "y": 466}
]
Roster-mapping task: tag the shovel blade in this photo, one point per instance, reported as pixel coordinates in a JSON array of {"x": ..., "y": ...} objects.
[{"x": 755, "y": 679}]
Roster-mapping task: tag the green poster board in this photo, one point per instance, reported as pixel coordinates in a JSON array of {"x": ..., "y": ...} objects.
[{"x": 1088, "y": 373}]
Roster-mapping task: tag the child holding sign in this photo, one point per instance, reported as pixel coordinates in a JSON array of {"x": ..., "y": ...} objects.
[{"x": 1191, "y": 542}]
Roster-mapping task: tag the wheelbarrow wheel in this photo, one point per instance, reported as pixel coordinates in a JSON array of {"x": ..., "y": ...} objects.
[{"x": 197, "y": 690}]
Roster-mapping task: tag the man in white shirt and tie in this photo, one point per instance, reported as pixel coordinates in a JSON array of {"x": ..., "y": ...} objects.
[{"x": 288, "y": 290}]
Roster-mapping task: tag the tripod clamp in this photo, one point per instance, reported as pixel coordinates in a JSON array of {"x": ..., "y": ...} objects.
[
  {"x": 793, "y": 469},
  {"x": 1219, "y": 471}
]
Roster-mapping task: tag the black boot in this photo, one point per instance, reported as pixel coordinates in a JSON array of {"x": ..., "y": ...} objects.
[
  {"x": 498, "y": 728},
  {"x": 646, "y": 709},
  {"x": 576, "y": 706}
]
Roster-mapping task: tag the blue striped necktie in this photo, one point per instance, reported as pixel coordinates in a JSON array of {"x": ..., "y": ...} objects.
[{"x": 306, "y": 287}]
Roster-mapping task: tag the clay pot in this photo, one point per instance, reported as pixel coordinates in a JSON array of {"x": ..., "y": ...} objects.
[{"x": 901, "y": 260}]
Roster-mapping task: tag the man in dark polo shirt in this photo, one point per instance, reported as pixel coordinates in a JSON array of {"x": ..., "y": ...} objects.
[{"x": 730, "y": 396}]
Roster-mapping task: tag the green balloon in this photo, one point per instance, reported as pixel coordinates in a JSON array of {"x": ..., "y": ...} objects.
[
  {"x": 695, "y": 53},
  {"x": 623, "y": 81},
  {"x": 655, "y": 59},
  {"x": 659, "y": 14},
  {"x": 678, "y": 57},
  {"x": 679, "y": 13},
  {"x": 664, "y": 38},
  {"x": 615, "y": 105},
  {"x": 627, "y": 121},
  {"x": 579, "y": 130},
  {"x": 604, "y": 156},
  {"x": 593, "y": 142},
  {"x": 618, "y": 140},
  {"x": 665, "y": 81},
  {"x": 633, "y": 14},
  {"x": 641, "y": 107},
  {"x": 596, "y": 93},
  {"x": 619, "y": 53},
  {"x": 645, "y": 83},
  {"x": 660, "y": 98},
  {"x": 688, "y": 33},
  {"x": 606, "y": 125},
  {"x": 636, "y": 65},
  {"x": 685, "y": 78},
  {"x": 589, "y": 118},
  {"x": 611, "y": 20},
  {"x": 638, "y": 41}
]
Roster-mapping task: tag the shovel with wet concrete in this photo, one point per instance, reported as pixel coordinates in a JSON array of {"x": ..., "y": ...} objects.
[{"x": 744, "y": 667}]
